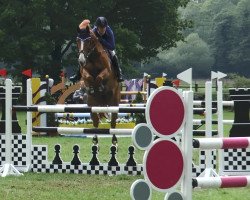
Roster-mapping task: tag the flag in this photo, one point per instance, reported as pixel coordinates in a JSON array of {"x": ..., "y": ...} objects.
[
  {"x": 27, "y": 72},
  {"x": 176, "y": 82},
  {"x": 3, "y": 72},
  {"x": 164, "y": 74}
]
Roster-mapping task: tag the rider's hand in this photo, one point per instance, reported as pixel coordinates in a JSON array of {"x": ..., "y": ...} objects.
[{"x": 84, "y": 24}]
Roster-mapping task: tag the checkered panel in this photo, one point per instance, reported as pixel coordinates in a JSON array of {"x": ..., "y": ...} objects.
[
  {"x": 39, "y": 158},
  {"x": 78, "y": 169},
  {"x": 19, "y": 155},
  {"x": 2, "y": 149},
  {"x": 133, "y": 170},
  {"x": 236, "y": 161},
  {"x": 18, "y": 150},
  {"x": 41, "y": 164},
  {"x": 198, "y": 169}
]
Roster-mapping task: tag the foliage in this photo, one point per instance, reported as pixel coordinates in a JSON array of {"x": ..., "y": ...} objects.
[
  {"x": 193, "y": 52},
  {"x": 224, "y": 25},
  {"x": 41, "y": 34},
  {"x": 219, "y": 40},
  {"x": 239, "y": 81}
]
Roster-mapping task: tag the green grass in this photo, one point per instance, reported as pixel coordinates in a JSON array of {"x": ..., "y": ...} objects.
[{"x": 72, "y": 186}]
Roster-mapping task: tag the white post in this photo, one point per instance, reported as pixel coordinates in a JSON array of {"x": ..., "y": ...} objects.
[
  {"x": 187, "y": 146},
  {"x": 8, "y": 168},
  {"x": 8, "y": 119},
  {"x": 29, "y": 125},
  {"x": 220, "y": 123},
  {"x": 209, "y": 171}
]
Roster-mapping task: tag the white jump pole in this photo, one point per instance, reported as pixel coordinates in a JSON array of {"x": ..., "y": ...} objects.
[
  {"x": 187, "y": 146},
  {"x": 222, "y": 182},
  {"x": 29, "y": 125},
  {"x": 209, "y": 171},
  {"x": 8, "y": 168},
  {"x": 220, "y": 75},
  {"x": 222, "y": 143},
  {"x": 220, "y": 123}
]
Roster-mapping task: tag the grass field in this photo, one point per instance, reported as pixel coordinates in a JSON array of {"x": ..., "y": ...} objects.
[{"x": 87, "y": 187}]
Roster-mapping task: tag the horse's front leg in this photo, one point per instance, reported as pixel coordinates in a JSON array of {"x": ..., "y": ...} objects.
[
  {"x": 113, "y": 120},
  {"x": 88, "y": 80},
  {"x": 102, "y": 75},
  {"x": 95, "y": 119}
]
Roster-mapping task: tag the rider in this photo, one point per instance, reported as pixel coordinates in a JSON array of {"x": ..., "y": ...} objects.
[{"x": 106, "y": 37}]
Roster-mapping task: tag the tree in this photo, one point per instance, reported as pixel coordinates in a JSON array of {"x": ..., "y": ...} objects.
[
  {"x": 239, "y": 54},
  {"x": 224, "y": 25},
  {"x": 41, "y": 34},
  {"x": 193, "y": 52}
]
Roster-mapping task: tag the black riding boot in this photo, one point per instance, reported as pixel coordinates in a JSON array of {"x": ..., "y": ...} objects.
[
  {"x": 117, "y": 68},
  {"x": 76, "y": 77}
]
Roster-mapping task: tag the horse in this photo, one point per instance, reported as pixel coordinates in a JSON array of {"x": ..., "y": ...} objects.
[{"x": 100, "y": 79}]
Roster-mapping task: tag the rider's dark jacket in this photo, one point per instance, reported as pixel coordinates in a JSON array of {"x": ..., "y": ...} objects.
[{"x": 107, "y": 39}]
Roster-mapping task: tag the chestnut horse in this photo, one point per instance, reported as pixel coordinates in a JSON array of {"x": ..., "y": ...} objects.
[{"x": 99, "y": 77}]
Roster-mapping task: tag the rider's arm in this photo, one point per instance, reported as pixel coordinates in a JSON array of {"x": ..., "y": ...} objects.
[{"x": 108, "y": 40}]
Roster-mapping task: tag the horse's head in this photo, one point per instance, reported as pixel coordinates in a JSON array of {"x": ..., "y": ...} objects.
[{"x": 85, "y": 47}]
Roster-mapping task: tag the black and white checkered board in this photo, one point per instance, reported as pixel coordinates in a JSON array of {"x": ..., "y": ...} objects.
[
  {"x": 41, "y": 164},
  {"x": 198, "y": 169},
  {"x": 236, "y": 162},
  {"x": 18, "y": 150}
]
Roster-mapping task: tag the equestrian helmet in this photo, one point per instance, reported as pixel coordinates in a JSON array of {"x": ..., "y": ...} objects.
[{"x": 101, "y": 22}]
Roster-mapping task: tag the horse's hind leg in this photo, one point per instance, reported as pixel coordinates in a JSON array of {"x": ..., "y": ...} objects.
[
  {"x": 113, "y": 120},
  {"x": 95, "y": 119}
]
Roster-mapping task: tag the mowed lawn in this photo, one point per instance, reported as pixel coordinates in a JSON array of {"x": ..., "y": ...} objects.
[{"x": 73, "y": 186}]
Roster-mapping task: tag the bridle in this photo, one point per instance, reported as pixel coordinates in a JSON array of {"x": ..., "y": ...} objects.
[
  {"x": 81, "y": 50},
  {"x": 84, "y": 56}
]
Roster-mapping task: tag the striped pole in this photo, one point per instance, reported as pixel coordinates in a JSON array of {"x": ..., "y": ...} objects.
[
  {"x": 202, "y": 122},
  {"x": 222, "y": 143},
  {"x": 200, "y": 111},
  {"x": 66, "y": 130},
  {"x": 84, "y": 109},
  {"x": 203, "y": 133},
  {"x": 83, "y": 115},
  {"x": 214, "y": 103},
  {"x": 81, "y": 109},
  {"x": 221, "y": 182},
  {"x": 120, "y": 105}
]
